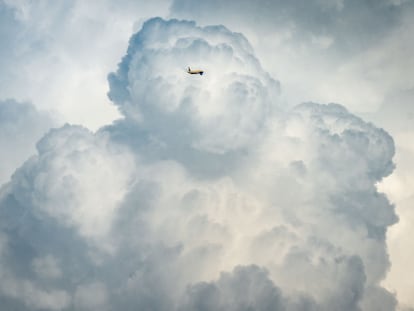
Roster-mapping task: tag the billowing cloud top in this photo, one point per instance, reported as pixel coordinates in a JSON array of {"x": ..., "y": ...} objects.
[
  {"x": 150, "y": 85},
  {"x": 206, "y": 196}
]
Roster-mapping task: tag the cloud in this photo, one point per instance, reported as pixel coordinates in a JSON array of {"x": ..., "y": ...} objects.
[
  {"x": 157, "y": 57},
  {"x": 356, "y": 53},
  {"x": 398, "y": 187},
  {"x": 59, "y": 53},
  {"x": 325, "y": 51},
  {"x": 209, "y": 194},
  {"x": 247, "y": 288},
  {"x": 21, "y": 125},
  {"x": 306, "y": 20},
  {"x": 91, "y": 297},
  {"x": 65, "y": 181}
]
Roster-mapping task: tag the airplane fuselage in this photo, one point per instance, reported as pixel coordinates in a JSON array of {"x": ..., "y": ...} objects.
[{"x": 195, "y": 72}]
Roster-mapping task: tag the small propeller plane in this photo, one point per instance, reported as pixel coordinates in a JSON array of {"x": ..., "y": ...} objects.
[{"x": 195, "y": 72}]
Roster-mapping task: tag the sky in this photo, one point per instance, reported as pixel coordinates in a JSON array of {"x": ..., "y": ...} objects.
[{"x": 281, "y": 179}]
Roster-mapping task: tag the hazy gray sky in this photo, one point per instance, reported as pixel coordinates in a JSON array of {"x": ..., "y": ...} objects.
[{"x": 261, "y": 185}]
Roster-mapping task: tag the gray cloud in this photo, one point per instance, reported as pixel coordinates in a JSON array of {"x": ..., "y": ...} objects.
[
  {"x": 208, "y": 195},
  {"x": 247, "y": 288},
  {"x": 77, "y": 42},
  {"x": 21, "y": 125},
  {"x": 343, "y": 21}
]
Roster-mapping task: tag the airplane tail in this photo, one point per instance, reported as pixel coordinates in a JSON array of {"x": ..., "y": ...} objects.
[{"x": 188, "y": 70}]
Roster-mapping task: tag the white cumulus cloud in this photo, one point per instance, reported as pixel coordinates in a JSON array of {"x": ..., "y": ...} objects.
[{"x": 208, "y": 195}]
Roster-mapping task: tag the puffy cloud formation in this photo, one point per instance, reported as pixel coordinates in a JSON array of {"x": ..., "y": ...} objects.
[
  {"x": 21, "y": 126},
  {"x": 327, "y": 51},
  {"x": 207, "y": 195},
  {"x": 153, "y": 68},
  {"x": 357, "y": 53}
]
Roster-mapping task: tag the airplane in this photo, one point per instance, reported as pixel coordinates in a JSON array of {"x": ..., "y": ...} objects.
[{"x": 195, "y": 72}]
